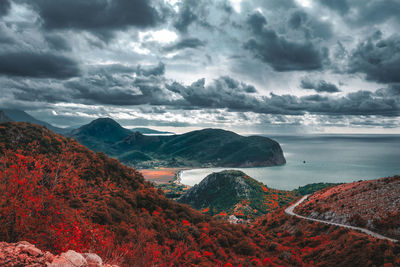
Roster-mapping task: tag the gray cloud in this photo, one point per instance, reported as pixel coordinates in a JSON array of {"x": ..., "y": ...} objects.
[
  {"x": 116, "y": 85},
  {"x": 156, "y": 71},
  {"x": 221, "y": 93},
  {"x": 185, "y": 43},
  {"x": 319, "y": 86},
  {"x": 38, "y": 65},
  {"x": 311, "y": 27},
  {"x": 99, "y": 16},
  {"x": 41, "y": 42},
  {"x": 378, "y": 58},
  {"x": 280, "y": 53},
  {"x": 4, "y": 7},
  {"x": 56, "y": 42},
  {"x": 340, "y": 6}
]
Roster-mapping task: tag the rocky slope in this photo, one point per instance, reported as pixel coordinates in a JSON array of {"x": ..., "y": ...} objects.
[
  {"x": 208, "y": 147},
  {"x": 26, "y": 254},
  {"x": 373, "y": 204},
  {"x": 233, "y": 192}
]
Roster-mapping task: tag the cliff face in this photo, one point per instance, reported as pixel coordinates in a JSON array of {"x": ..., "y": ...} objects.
[{"x": 234, "y": 193}]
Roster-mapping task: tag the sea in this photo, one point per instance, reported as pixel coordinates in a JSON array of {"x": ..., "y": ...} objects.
[{"x": 322, "y": 158}]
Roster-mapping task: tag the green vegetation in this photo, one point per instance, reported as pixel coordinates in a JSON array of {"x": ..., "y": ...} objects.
[
  {"x": 311, "y": 188},
  {"x": 234, "y": 193},
  {"x": 203, "y": 148},
  {"x": 133, "y": 157}
]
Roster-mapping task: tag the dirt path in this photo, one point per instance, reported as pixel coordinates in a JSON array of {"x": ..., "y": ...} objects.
[{"x": 290, "y": 211}]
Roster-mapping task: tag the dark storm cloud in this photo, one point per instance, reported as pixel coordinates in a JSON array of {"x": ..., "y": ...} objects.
[
  {"x": 319, "y": 86},
  {"x": 191, "y": 12},
  {"x": 187, "y": 15},
  {"x": 32, "y": 93},
  {"x": 280, "y": 53},
  {"x": 38, "y": 65},
  {"x": 158, "y": 70},
  {"x": 312, "y": 27},
  {"x": 57, "y": 42},
  {"x": 257, "y": 22},
  {"x": 98, "y": 16},
  {"x": 378, "y": 58},
  {"x": 360, "y": 103},
  {"x": 4, "y": 7},
  {"x": 120, "y": 89},
  {"x": 111, "y": 69},
  {"x": 185, "y": 43},
  {"x": 273, "y": 4},
  {"x": 221, "y": 93},
  {"x": 364, "y": 12},
  {"x": 108, "y": 69}
]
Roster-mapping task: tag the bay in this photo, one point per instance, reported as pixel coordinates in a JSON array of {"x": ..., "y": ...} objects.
[{"x": 322, "y": 158}]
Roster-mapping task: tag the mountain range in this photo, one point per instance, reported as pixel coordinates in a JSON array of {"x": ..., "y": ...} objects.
[
  {"x": 207, "y": 147},
  {"x": 148, "y": 148},
  {"x": 22, "y": 116}
]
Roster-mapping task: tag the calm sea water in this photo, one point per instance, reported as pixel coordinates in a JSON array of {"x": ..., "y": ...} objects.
[{"x": 328, "y": 158}]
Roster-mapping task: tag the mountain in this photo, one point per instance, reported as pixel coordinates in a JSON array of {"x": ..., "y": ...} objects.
[
  {"x": 372, "y": 204},
  {"x": 100, "y": 134},
  {"x": 3, "y": 117},
  {"x": 208, "y": 147},
  {"x": 22, "y": 116},
  {"x": 149, "y": 131},
  {"x": 60, "y": 196},
  {"x": 234, "y": 193}
]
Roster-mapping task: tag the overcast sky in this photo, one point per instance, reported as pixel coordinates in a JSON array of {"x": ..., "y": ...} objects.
[{"x": 253, "y": 66}]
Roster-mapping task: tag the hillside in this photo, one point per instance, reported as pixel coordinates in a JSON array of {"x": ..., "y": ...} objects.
[
  {"x": 208, "y": 147},
  {"x": 100, "y": 134},
  {"x": 3, "y": 117},
  {"x": 60, "y": 196},
  {"x": 22, "y": 116},
  {"x": 373, "y": 204},
  {"x": 234, "y": 193}
]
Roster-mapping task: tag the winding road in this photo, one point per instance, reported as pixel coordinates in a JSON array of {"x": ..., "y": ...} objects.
[{"x": 290, "y": 211}]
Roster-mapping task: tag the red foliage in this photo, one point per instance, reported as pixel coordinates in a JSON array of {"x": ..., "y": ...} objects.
[{"x": 59, "y": 195}]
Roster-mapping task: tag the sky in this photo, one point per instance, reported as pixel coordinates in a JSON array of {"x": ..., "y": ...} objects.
[{"x": 251, "y": 66}]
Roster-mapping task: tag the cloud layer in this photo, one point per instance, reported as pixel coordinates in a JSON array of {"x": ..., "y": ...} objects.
[{"x": 280, "y": 62}]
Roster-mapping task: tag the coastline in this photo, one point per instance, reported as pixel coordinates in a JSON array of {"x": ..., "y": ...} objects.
[{"x": 164, "y": 176}]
